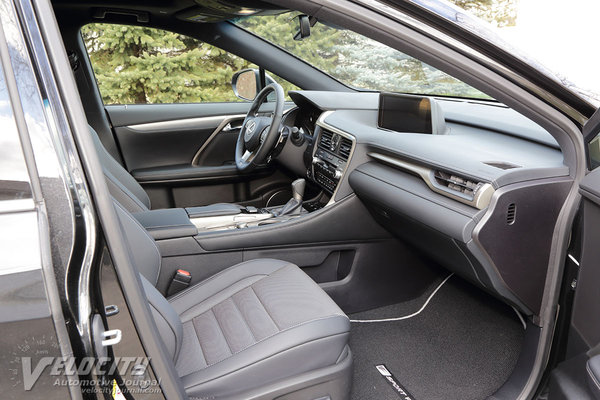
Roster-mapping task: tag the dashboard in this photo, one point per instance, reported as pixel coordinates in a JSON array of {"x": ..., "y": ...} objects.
[{"x": 478, "y": 193}]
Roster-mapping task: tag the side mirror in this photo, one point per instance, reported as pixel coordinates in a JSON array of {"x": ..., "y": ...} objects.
[{"x": 245, "y": 83}]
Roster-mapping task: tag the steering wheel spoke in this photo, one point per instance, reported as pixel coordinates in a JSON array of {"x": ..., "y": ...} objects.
[
  {"x": 260, "y": 131},
  {"x": 246, "y": 156}
]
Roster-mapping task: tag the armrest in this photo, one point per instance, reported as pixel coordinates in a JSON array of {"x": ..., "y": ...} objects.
[
  {"x": 167, "y": 223},
  {"x": 213, "y": 210},
  {"x": 191, "y": 173},
  {"x": 178, "y": 172}
]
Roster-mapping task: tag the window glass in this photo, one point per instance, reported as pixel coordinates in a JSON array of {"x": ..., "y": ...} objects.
[
  {"x": 139, "y": 65},
  {"x": 14, "y": 178},
  {"x": 356, "y": 60}
]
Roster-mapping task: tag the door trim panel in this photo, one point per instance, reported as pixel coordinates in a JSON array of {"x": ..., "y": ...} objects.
[
  {"x": 226, "y": 120},
  {"x": 181, "y": 124}
]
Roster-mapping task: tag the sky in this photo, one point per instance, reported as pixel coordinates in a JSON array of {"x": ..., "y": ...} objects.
[{"x": 563, "y": 36}]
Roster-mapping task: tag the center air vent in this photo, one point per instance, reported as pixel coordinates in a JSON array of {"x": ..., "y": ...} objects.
[
  {"x": 326, "y": 139},
  {"x": 345, "y": 148},
  {"x": 457, "y": 183},
  {"x": 335, "y": 144}
]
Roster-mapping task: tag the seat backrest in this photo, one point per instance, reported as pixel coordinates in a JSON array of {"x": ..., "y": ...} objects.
[
  {"x": 147, "y": 260},
  {"x": 122, "y": 186}
]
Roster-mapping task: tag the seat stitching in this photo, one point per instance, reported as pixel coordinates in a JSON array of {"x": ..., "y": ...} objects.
[
  {"x": 199, "y": 343},
  {"x": 242, "y": 315},
  {"x": 274, "y": 334},
  {"x": 233, "y": 294},
  {"x": 222, "y": 332},
  {"x": 266, "y": 310},
  {"x": 220, "y": 273}
]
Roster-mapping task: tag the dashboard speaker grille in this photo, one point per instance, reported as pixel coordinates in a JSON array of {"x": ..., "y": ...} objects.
[{"x": 511, "y": 213}]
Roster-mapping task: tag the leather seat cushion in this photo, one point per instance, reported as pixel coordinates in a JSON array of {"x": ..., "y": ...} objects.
[{"x": 254, "y": 323}]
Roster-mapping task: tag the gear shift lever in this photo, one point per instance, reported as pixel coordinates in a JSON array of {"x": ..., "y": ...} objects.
[{"x": 294, "y": 205}]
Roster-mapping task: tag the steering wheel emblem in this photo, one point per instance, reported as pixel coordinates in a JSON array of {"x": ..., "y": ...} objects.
[{"x": 250, "y": 128}]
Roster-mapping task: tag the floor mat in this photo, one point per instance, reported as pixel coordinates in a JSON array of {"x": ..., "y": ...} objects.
[{"x": 463, "y": 346}]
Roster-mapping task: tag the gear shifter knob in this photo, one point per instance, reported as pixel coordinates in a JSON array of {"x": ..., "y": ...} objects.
[
  {"x": 294, "y": 205},
  {"x": 298, "y": 189}
]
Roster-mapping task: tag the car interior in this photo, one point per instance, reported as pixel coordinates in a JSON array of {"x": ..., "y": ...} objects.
[{"x": 327, "y": 242}]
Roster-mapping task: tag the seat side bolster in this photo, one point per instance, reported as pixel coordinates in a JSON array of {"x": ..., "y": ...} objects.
[
  {"x": 122, "y": 185},
  {"x": 167, "y": 320}
]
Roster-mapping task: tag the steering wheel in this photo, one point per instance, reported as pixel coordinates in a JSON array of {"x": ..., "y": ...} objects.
[{"x": 259, "y": 133}]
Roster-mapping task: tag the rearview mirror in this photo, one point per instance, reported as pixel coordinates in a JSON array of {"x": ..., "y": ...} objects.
[
  {"x": 245, "y": 83},
  {"x": 304, "y": 24}
]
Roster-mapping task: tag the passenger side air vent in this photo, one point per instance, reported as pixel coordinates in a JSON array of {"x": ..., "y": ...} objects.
[
  {"x": 345, "y": 148},
  {"x": 467, "y": 191},
  {"x": 456, "y": 183},
  {"x": 511, "y": 213},
  {"x": 326, "y": 139}
]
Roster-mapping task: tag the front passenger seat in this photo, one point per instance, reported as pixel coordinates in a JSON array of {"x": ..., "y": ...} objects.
[{"x": 261, "y": 329}]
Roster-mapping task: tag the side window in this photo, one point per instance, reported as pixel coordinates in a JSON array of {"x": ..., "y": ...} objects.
[{"x": 139, "y": 65}]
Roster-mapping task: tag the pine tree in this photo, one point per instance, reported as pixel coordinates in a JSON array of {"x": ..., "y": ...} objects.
[{"x": 145, "y": 65}]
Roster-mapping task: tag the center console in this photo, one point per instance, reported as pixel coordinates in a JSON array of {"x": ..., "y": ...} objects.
[
  {"x": 178, "y": 222},
  {"x": 244, "y": 218},
  {"x": 331, "y": 156}
]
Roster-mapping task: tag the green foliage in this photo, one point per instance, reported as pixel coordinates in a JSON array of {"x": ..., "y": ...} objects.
[
  {"x": 145, "y": 65},
  {"x": 357, "y": 60},
  {"x": 497, "y": 12},
  {"x": 318, "y": 50}
]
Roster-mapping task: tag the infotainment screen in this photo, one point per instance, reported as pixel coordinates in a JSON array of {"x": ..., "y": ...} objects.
[{"x": 403, "y": 113}]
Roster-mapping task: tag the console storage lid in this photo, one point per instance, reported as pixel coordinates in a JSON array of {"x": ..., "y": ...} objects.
[{"x": 167, "y": 223}]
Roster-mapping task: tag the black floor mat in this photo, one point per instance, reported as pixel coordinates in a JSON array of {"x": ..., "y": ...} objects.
[{"x": 463, "y": 346}]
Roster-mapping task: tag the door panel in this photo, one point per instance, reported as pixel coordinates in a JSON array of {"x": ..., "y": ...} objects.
[
  {"x": 575, "y": 377},
  {"x": 184, "y": 155},
  {"x": 174, "y": 141},
  {"x": 575, "y": 366}
]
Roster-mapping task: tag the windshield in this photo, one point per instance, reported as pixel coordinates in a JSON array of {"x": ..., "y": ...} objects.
[{"x": 356, "y": 60}]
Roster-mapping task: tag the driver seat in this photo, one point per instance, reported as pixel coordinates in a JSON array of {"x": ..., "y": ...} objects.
[{"x": 121, "y": 185}]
